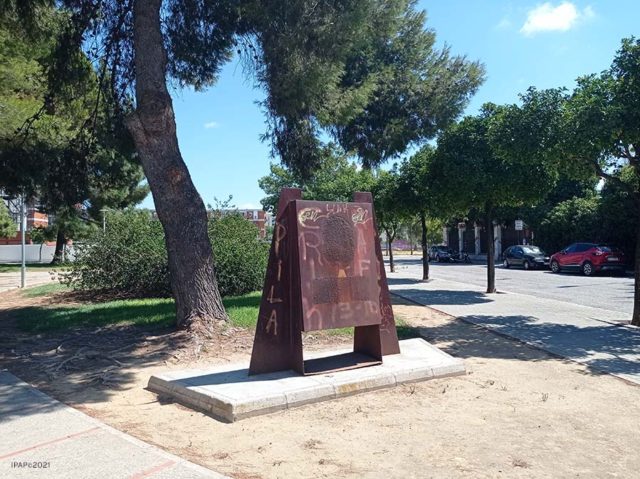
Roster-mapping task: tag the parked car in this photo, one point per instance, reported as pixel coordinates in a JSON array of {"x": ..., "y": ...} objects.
[
  {"x": 588, "y": 258},
  {"x": 440, "y": 253},
  {"x": 527, "y": 256}
]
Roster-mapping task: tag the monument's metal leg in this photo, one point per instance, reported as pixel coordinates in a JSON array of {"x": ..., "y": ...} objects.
[{"x": 388, "y": 333}]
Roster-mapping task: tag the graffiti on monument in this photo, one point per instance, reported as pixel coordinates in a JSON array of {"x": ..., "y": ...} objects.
[{"x": 325, "y": 271}]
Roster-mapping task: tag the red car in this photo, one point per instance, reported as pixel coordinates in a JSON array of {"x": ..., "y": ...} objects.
[{"x": 588, "y": 258}]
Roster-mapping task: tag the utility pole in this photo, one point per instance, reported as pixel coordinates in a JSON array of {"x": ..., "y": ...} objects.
[
  {"x": 104, "y": 219},
  {"x": 23, "y": 228}
]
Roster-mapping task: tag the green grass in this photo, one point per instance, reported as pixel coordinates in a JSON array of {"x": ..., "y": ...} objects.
[
  {"x": 14, "y": 267},
  {"x": 404, "y": 330},
  {"x": 243, "y": 310},
  {"x": 151, "y": 312},
  {"x": 141, "y": 312},
  {"x": 44, "y": 290}
]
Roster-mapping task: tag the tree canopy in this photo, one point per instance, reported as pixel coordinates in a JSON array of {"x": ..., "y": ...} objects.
[
  {"x": 325, "y": 67},
  {"x": 481, "y": 165},
  {"x": 596, "y": 128},
  {"x": 42, "y": 151},
  {"x": 336, "y": 179},
  {"x": 7, "y": 225}
]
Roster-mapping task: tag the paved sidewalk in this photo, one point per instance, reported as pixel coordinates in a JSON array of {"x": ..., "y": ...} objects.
[
  {"x": 598, "y": 338},
  {"x": 49, "y": 439},
  {"x": 12, "y": 280}
]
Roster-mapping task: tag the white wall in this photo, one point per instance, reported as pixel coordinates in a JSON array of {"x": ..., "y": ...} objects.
[{"x": 13, "y": 253}]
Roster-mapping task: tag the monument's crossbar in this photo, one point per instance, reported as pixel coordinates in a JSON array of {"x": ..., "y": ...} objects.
[{"x": 229, "y": 393}]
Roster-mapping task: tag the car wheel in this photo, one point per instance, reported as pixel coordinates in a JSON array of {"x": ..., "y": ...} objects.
[
  {"x": 587, "y": 268},
  {"x": 526, "y": 265},
  {"x": 506, "y": 264},
  {"x": 555, "y": 266}
]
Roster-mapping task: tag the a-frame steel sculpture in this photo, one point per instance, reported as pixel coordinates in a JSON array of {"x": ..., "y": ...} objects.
[{"x": 325, "y": 271}]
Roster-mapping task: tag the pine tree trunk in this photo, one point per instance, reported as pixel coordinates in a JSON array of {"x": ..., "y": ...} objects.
[
  {"x": 60, "y": 242},
  {"x": 178, "y": 204},
  {"x": 491, "y": 264},
  {"x": 425, "y": 247},
  {"x": 635, "y": 319}
]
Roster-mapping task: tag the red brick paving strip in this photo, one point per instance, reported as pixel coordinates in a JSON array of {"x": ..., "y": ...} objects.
[
  {"x": 53, "y": 441},
  {"x": 152, "y": 470}
]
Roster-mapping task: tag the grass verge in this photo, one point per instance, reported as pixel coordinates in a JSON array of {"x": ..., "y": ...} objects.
[
  {"x": 45, "y": 290},
  {"x": 15, "y": 267},
  {"x": 149, "y": 312}
]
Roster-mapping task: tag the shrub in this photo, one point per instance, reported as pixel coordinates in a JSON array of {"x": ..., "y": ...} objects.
[
  {"x": 130, "y": 258},
  {"x": 239, "y": 255}
]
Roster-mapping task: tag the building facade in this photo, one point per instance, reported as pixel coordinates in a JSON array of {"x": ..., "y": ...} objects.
[
  {"x": 470, "y": 237},
  {"x": 35, "y": 219}
]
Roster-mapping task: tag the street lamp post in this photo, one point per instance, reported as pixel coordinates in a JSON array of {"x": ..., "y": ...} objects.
[
  {"x": 23, "y": 227},
  {"x": 104, "y": 219}
]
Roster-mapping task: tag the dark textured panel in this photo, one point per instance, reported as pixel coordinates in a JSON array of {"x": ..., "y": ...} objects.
[{"x": 337, "y": 257}]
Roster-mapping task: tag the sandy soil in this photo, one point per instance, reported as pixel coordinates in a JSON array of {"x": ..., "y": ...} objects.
[{"x": 517, "y": 413}]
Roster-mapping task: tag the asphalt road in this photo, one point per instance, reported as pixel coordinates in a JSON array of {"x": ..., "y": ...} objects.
[{"x": 600, "y": 291}]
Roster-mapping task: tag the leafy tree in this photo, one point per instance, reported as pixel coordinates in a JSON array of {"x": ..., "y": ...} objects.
[
  {"x": 420, "y": 196},
  {"x": 602, "y": 130},
  {"x": 40, "y": 153},
  {"x": 410, "y": 231},
  {"x": 479, "y": 167},
  {"x": 389, "y": 211},
  {"x": 298, "y": 52},
  {"x": 618, "y": 218},
  {"x": 409, "y": 89},
  {"x": 576, "y": 219},
  {"x": 336, "y": 179},
  {"x": 596, "y": 128},
  {"x": 40, "y": 235},
  {"x": 8, "y": 227}
]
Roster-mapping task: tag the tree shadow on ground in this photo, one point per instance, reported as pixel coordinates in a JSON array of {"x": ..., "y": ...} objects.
[
  {"x": 602, "y": 349},
  {"x": 87, "y": 362},
  {"x": 440, "y": 296}
]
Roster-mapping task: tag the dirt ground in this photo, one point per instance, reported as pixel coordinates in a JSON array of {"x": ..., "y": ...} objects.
[{"x": 517, "y": 413}]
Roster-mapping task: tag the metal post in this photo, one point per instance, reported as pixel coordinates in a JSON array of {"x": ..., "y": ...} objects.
[
  {"x": 23, "y": 227},
  {"x": 104, "y": 219}
]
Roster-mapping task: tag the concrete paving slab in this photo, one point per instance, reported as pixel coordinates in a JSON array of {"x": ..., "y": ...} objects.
[
  {"x": 44, "y": 438},
  {"x": 591, "y": 336},
  {"x": 229, "y": 393},
  {"x": 34, "y": 278}
]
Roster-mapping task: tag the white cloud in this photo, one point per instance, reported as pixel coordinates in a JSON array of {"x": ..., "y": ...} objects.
[
  {"x": 547, "y": 18},
  {"x": 211, "y": 124}
]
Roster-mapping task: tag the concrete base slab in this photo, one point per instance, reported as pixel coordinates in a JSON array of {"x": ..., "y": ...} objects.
[{"x": 229, "y": 393}]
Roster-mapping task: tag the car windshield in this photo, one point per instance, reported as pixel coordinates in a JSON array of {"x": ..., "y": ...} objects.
[
  {"x": 532, "y": 250},
  {"x": 608, "y": 249}
]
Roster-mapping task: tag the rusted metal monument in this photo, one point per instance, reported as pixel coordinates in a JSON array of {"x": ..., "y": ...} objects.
[{"x": 325, "y": 271}]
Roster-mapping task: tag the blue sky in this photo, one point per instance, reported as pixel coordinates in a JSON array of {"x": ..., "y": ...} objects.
[{"x": 521, "y": 43}]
